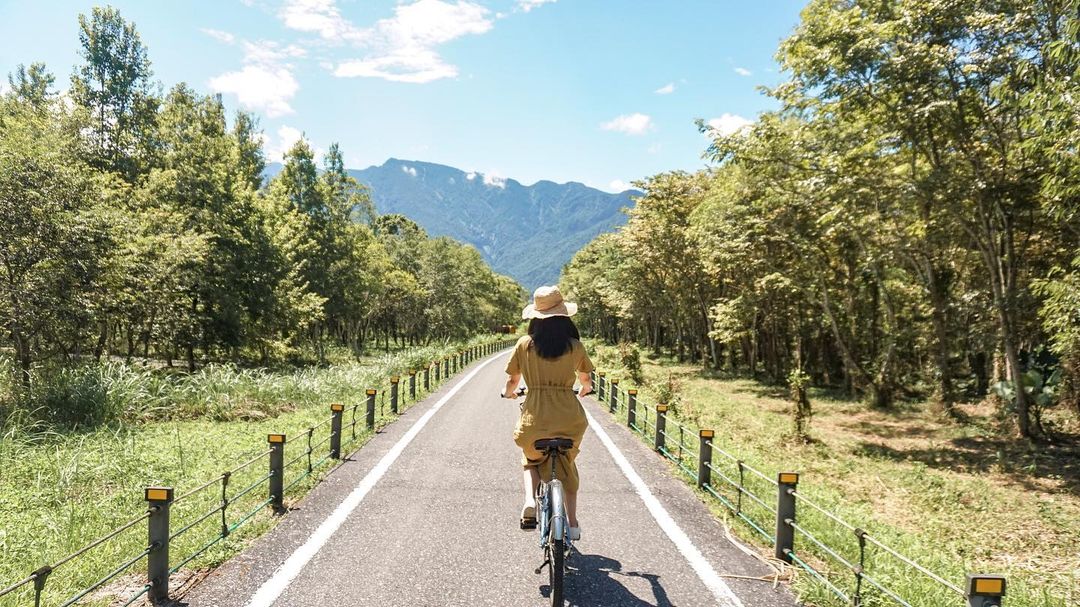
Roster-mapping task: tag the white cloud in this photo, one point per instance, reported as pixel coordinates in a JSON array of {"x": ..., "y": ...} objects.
[
  {"x": 321, "y": 17},
  {"x": 266, "y": 81},
  {"x": 631, "y": 124},
  {"x": 413, "y": 65},
  {"x": 400, "y": 48},
  {"x": 219, "y": 35},
  {"x": 409, "y": 170},
  {"x": 728, "y": 124},
  {"x": 618, "y": 186},
  {"x": 287, "y": 136},
  {"x": 742, "y": 71},
  {"x": 470, "y": 176},
  {"x": 269, "y": 52},
  {"x": 667, "y": 89},
  {"x": 259, "y": 87},
  {"x": 494, "y": 180},
  {"x": 528, "y": 5}
]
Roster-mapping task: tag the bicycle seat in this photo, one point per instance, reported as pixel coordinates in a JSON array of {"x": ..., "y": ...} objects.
[{"x": 546, "y": 444}]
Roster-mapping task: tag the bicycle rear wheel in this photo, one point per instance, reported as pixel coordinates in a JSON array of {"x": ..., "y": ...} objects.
[{"x": 556, "y": 571}]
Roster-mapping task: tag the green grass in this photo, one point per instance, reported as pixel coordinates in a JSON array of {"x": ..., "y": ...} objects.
[
  {"x": 955, "y": 498},
  {"x": 59, "y": 490}
]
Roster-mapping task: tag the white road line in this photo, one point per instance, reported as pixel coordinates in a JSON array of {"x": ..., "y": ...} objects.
[
  {"x": 704, "y": 570},
  {"x": 276, "y": 585}
]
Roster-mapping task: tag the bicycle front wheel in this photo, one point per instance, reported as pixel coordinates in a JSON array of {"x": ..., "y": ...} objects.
[{"x": 556, "y": 571}]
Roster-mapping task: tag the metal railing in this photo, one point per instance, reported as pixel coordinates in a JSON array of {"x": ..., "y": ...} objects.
[
  {"x": 763, "y": 502},
  {"x": 321, "y": 442}
]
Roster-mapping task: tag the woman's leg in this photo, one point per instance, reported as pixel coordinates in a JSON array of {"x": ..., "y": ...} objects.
[
  {"x": 571, "y": 507},
  {"x": 531, "y": 479}
]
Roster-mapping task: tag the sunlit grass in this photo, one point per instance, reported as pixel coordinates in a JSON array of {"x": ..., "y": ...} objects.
[
  {"x": 62, "y": 488},
  {"x": 933, "y": 490}
]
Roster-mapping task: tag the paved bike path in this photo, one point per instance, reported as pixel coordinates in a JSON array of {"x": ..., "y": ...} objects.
[{"x": 440, "y": 526}]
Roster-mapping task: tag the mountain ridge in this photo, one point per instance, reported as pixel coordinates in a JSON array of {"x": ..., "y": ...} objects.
[{"x": 527, "y": 232}]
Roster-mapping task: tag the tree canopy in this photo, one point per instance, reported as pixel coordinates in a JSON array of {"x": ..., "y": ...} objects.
[
  {"x": 138, "y": 223},
  {"x": 905, "y": 224}
]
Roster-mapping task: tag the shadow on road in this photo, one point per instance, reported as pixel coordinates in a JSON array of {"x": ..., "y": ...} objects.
[{"x": 598, "y": 580}]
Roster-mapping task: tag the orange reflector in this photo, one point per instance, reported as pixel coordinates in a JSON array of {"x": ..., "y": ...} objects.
[
  {"x": 661, "y": 408},
  {"x": 337, "y": 407},
  {"x": 158, "y": 494},
  {"x": 632, "y": 392},
  {"x": 275, "y": 438},
  {"x": 371, "y": 392},
  {"x": 789, "y": 478},
  {"x": 987, "y": 586},
  {"x": 706, "y": 434}
]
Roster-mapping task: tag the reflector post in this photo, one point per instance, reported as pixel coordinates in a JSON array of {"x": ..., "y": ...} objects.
[
  {"x": 789, "y": 478},
  {"x": 986, "y": 585},
  {"x": 159, "y": 494}
]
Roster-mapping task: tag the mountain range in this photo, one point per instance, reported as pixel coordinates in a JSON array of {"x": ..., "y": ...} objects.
[{"x": 527, "y": 232}]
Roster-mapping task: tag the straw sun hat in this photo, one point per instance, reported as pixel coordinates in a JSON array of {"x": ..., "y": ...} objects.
[{"x": 548, "y": 302}]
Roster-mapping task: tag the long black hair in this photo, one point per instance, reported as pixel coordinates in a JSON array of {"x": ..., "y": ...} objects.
[{"x": 552, "y": 336}]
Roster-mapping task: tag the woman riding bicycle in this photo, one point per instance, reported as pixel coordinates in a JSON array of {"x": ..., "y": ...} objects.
[{"x": 548, "y": 357}]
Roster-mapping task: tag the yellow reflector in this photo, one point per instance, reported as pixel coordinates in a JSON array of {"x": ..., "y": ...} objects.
[
  {"x": 411, "y": 372},
  {"x": 992, "y": 586},
  {"x": 394, "y": 379},
  {"x": 371, "y": 392},
  {"x": 275, "y": 438},
  {"x": 706, "y": 434},
  {"x": 601, "y": 373},
  {"x": 661, "y": 408},
  {"x": 158, "y": 494},
  {"x": 337, "y": 407},
  {"x": 632, "y": 392},
  {"x": 614, "y": 380},
  {"x": 789, "y": 478}
]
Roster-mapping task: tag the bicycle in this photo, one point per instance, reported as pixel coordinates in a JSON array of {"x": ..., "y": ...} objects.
[{"x": 552, "y": 519}]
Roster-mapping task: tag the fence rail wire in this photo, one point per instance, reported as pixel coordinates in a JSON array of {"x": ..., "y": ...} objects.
[
  {"x": 39, "y": 577},
  {"x": 642, "y": 426}
]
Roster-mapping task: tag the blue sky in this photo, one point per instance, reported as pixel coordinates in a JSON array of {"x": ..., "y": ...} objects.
[{"x": 597, "y": 91}]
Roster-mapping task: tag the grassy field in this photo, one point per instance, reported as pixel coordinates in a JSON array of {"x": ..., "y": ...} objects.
[
  {"x": 61, "y": 490},
  {"x": 955, "y": 497}
]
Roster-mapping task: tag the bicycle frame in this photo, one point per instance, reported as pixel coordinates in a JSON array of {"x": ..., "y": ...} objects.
[{"x": 552, "y": 509}]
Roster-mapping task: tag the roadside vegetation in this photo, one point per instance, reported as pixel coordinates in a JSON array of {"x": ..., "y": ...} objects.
[
  {"x": 140, "y": 224},
  {"x": 876, "y": 284},
  {"x": 165, "y": 302},
  {"x": 957, "y": 498},
  {"x": 61, "y": 488}
]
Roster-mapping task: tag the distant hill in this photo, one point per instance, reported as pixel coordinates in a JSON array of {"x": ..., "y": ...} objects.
[{"x": 526, "y": 232}]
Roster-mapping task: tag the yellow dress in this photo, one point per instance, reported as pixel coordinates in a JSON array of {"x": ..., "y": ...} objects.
[{"x": 551, "y": 409}]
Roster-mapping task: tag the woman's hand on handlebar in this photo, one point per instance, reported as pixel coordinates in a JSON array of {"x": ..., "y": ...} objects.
[{"x": 586, "y": 384}]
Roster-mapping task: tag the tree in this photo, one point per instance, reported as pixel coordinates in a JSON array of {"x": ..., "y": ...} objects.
[
  {"x": 112, "y": 89},
  {"x": 33, "y": 86},
  {"x": 50, "y": 254}
]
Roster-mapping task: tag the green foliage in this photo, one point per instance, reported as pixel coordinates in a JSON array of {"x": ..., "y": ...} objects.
[
  {"x": 139, "y": 226},
  {"x": 889, "y": 229},
  {"x": 630, "y": 359}
]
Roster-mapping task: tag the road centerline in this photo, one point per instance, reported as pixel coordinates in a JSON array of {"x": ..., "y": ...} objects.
[{"x": 273, "y": 587}]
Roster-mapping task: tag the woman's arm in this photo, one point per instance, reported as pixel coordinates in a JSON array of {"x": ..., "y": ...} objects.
[
  {"x": 586, "y": 384},
  {"x": 511, "y": 386}
]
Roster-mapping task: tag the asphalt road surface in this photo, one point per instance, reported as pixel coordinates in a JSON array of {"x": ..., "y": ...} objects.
[{"x": 426, "y": 513}]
